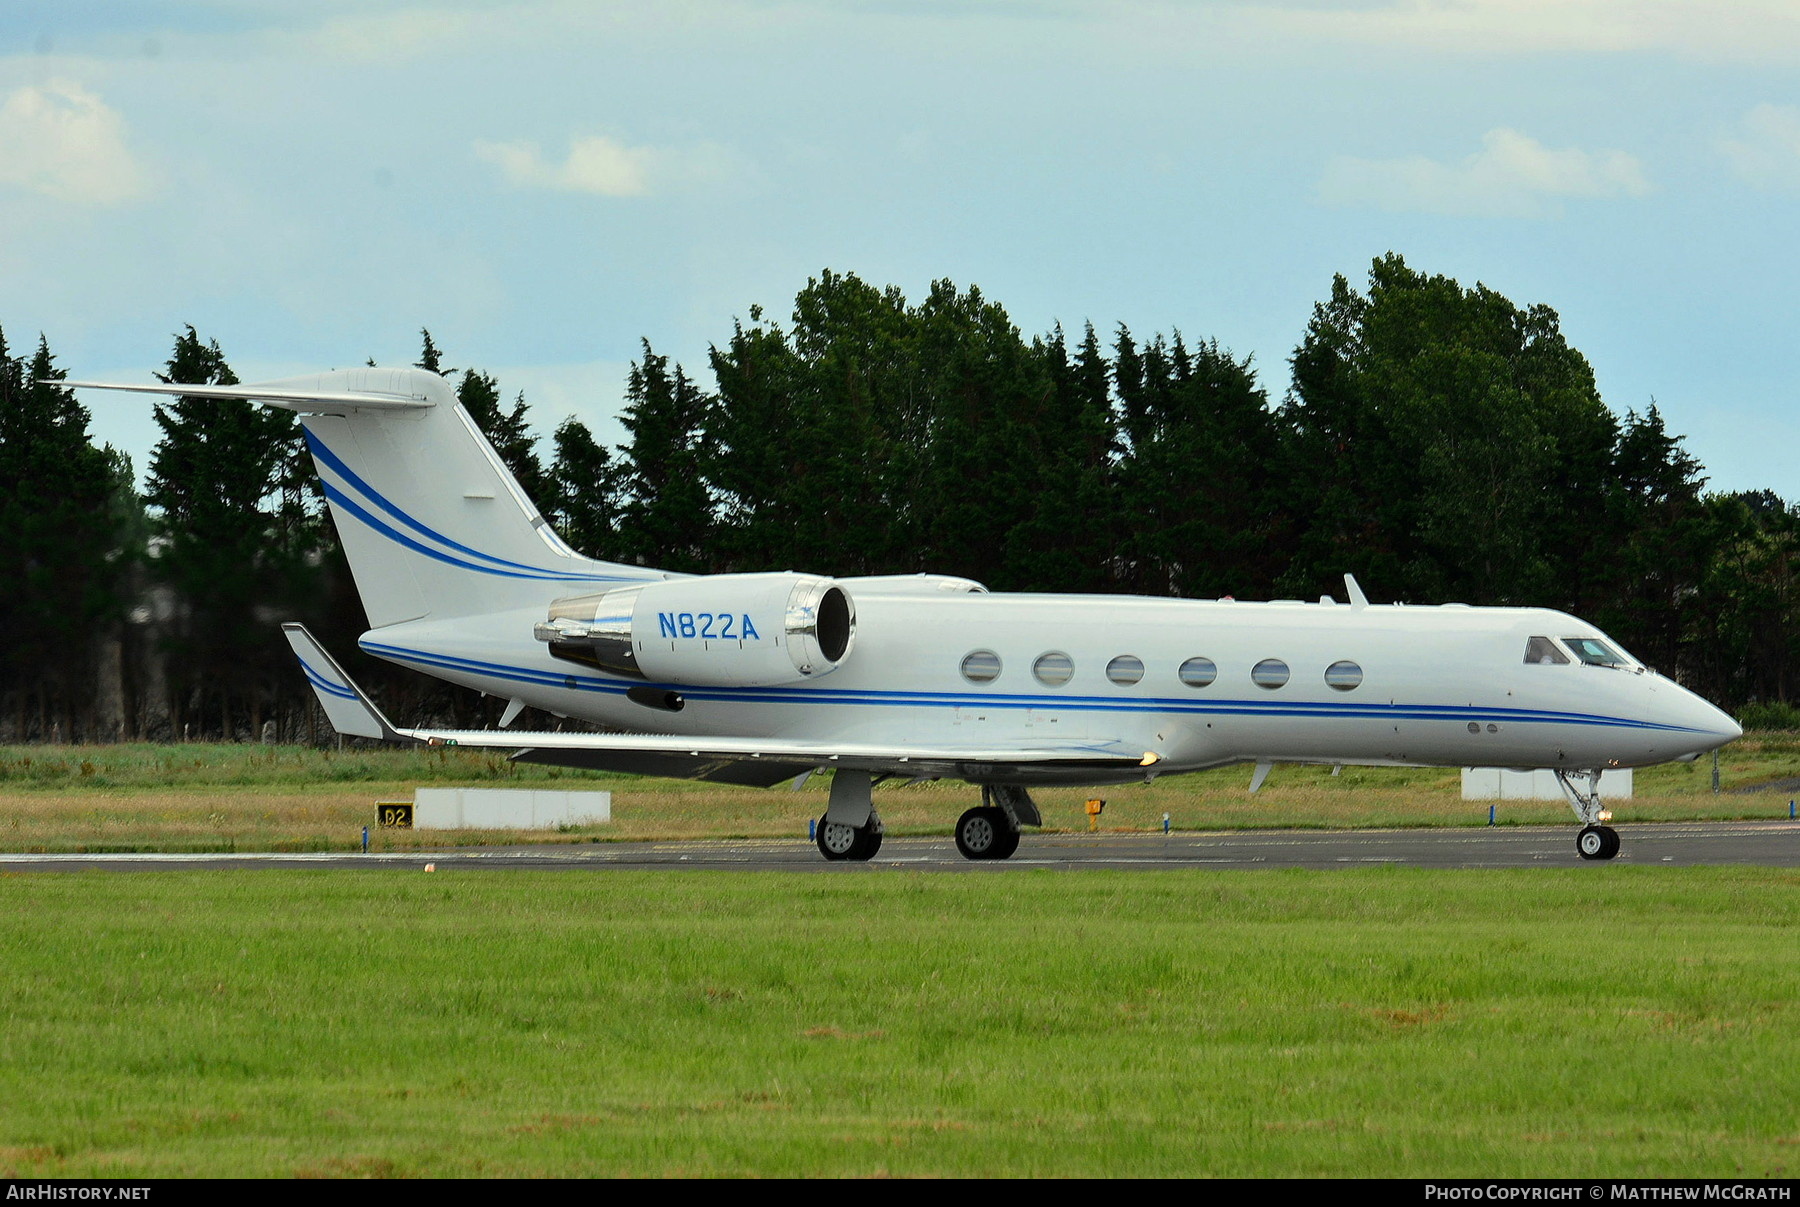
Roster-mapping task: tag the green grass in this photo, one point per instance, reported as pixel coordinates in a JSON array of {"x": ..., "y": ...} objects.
[
  {"x": 147, "y": 765},
  {"x": 1584, "y": 1022},
  {"x": 260, "y": 798}
]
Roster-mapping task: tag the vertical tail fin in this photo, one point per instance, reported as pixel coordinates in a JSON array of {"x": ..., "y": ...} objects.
[{"x": 431, "y": 520}]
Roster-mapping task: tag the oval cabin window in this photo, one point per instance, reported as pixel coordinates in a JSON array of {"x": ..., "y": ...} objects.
[
  {"x": 1053, "y": 669},
  {"x": 1270, "y": 673},
  {"x": 1344, "y": 676},
  {"x": 1125, "y": 670},
  {"x": 982, "y": 666},
  {"x": 1199, "y": 672}
]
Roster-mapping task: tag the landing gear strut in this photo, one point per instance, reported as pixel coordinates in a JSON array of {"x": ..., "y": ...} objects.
[
  {"x": 992, "y": 830},
  {"x": 1595, "y": 841}
]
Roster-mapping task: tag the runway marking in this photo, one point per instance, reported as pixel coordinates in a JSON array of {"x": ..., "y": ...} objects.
[{"x": 1771, "y": 842}]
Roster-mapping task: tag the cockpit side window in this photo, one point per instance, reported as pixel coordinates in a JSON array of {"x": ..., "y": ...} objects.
[
  {"x": 1593, "y": 652},
  {"x": 1543, "y": 651}
]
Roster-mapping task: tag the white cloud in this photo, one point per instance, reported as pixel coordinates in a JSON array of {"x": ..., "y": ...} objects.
[
  {"x": 606, "y": 167},
  {"x": 1512, "y": 176},
  {"x": 1759, "y": 30},
  {"x": 1768, "y": 154},
  {"x": 595, "y": 165},
  {"x": 63, "y": 141}
]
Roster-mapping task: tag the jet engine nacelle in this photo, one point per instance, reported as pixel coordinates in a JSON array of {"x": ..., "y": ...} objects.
[{"x": 719, "y": 630}]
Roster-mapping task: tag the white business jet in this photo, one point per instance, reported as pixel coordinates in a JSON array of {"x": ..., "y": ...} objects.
[{"x": 761, "y": 678}]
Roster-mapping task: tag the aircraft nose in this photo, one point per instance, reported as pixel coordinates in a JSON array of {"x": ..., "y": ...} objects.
[{"x": 1713, "y": 727}]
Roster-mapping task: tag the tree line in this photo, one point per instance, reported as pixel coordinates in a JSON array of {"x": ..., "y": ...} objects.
[{"x": 1437, "y": 441}]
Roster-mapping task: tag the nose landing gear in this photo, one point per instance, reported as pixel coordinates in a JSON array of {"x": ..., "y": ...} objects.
[{"x": 1595, "y": 841}]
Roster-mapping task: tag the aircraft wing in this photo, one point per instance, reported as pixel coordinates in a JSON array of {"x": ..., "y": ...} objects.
[
  {"x": 736, "y": 760},
  {"x": 765, "y": 761}
]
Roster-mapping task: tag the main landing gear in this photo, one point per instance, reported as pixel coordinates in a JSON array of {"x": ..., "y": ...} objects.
[
  {"x": 856, "y": 843},
  {"x": 1595, "y": 841},
  {"x": 850, "y": 829},
  {"x": 984, "y": 833},
  {"x": 992, "y": 830}
]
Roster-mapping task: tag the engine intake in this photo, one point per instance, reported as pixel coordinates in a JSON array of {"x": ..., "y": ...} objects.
[{"x": 723, "y": 630}]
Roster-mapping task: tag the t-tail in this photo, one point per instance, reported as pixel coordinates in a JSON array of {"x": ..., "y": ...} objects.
[{"x": 431, "y": 520}]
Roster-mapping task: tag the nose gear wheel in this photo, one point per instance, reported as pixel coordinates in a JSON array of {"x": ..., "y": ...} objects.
[{"x": 1597, "y": 842}]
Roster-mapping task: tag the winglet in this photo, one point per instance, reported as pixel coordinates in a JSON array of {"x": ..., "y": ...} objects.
[
  {"x": 349, "y": 711},
  {"x": 1357, "y": 598}
]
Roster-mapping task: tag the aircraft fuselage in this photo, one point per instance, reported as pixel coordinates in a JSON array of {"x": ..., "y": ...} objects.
[{"x": 1328, "y": 683}]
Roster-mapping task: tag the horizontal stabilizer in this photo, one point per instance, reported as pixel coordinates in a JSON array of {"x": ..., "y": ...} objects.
[
  {"x": 288, "y": 395},
  {"x": 345, "y": 706}
]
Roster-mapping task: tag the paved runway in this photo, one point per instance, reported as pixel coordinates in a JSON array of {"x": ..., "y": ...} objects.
[{"x": 1774, "y": 844}]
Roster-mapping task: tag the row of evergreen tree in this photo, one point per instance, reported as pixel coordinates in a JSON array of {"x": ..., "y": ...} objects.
[{"x": 1439, "y": 442}]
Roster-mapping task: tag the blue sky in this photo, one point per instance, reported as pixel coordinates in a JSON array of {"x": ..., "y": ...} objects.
[{"x": 545, "y": 183}]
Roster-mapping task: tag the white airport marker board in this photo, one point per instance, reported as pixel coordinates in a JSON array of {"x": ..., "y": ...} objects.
[
  {"x": 507, "y": 809},
  {"x": 1498, "y": 783}
]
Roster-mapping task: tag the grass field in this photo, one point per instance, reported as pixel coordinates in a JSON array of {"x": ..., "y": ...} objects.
[
  {"x": 244, "y": 797},
  {"x": 1573, "y": 1023}
]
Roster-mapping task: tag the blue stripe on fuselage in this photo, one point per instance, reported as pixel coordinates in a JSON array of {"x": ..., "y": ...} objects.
[{"x": 902, "y": 699}]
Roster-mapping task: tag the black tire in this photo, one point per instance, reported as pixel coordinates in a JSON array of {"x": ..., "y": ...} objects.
[
  {"x": 855, "y": 844},
  {"x": 980, "y": 833},
  {"x": 1009, "y": 842},
  {"x": 837, "y": 841},
  {"x": 1612, "y": 842},
  {"x": 1592, "y": 843}
]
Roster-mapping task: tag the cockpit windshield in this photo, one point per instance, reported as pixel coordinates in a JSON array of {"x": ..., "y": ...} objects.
[
  {"x": 1594, "y": 652},
  {"x": 1543, "y": 651}
]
